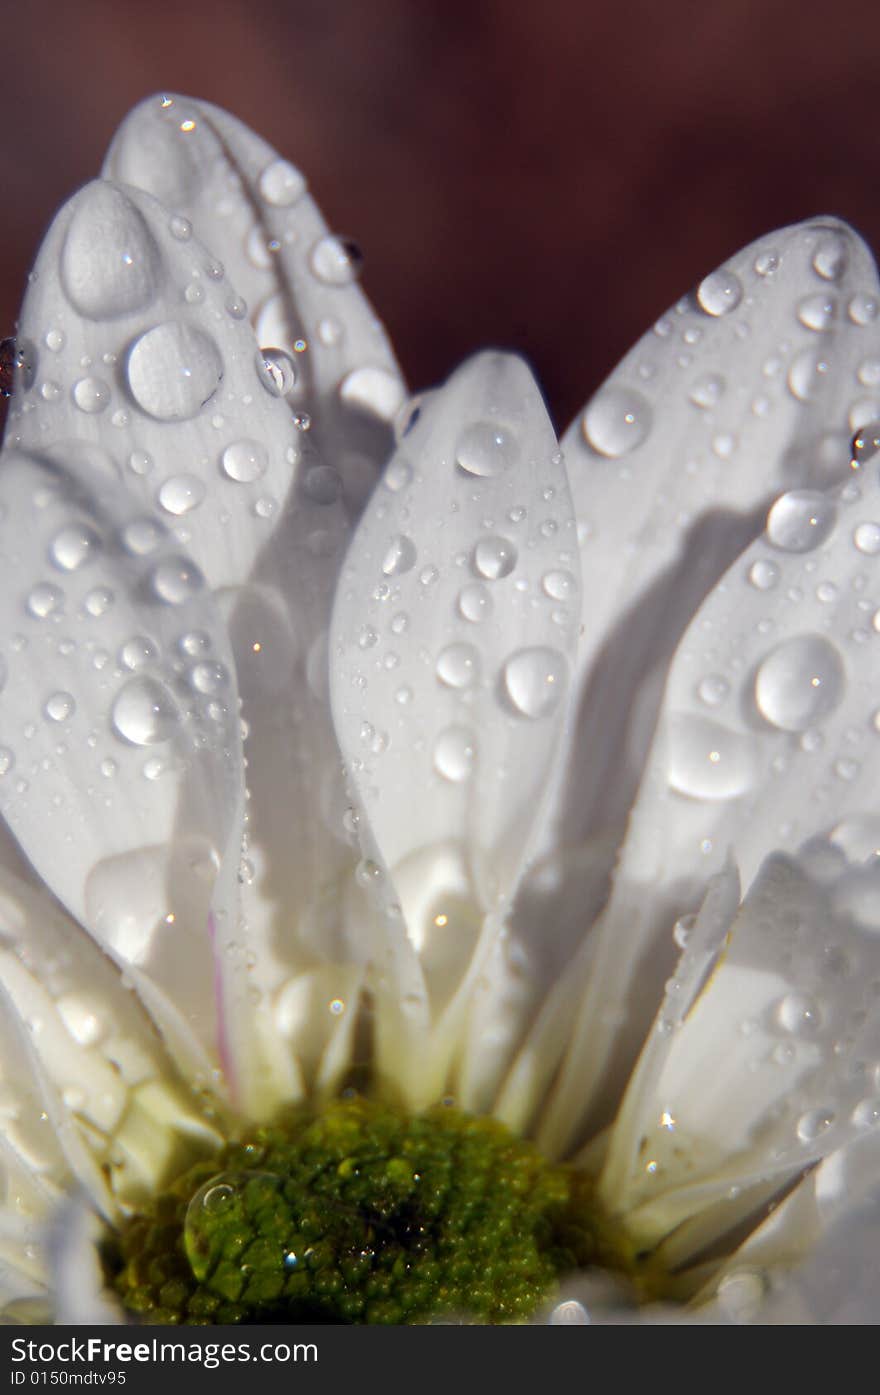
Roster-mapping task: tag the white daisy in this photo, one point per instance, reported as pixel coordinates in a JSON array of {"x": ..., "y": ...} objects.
[{"x": 419, "y": 759}]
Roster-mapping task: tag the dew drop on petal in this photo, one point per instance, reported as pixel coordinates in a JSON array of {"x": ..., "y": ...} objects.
[
  {"x": 244, "y": 461},
  {"x": 137, "y": 652},
  {"x": 276, "y": 370},
  {"x": 559, "y": 585},
  {"x": 337, "y": 261},
  {"x": 209, "y": 678},
  {"x": 474, "y": 603},
  {"x": 110, "y": 264},
  {"x": 454, "y": 754},
  {"x": 763, "y": 575},
  {"x": 713, "y": 689},
  {"x": 866, "y": 1114},
  {"x": 486, "y": 449},
  {"x": 400, "y": 556},
  {"x": 708, "y": 761},
  {"x": 707, "y": 391},
  {"x": 74, "y": 546},
  {"x": 829, "y": 258},
  {"x": 7, "y": 760},
  {"x": 281, "y": 184},
  {"x": 806, "y": 374},
  {"x": 91, "y": 395},
  {"x": 494, "y": 557},
  {"x": 719, "y": 293},
  {"x": 535, "y": 681},
  {"x": 867, "y": 538},
  {"x": 815, "y": 1122},
  {"x": 59, "y": 707},
  {"x": 616, "y": 421},
  {"x": 181, "y": 493},
  {"x": 44, "y": 600},
  {"x": 176, "y": 580},
  {"x": 800, "y": 520},
  {"x": 144, "y": 712},
  {"x": 799, "y": 683},
  {"x": 817, "y": 312},
  {"x": 862, "y": 309},
  {"x": 458, "y": 665},
  {"x": 799, "y": 1015},
  {"x": 398, "y": 475},
  {"x": 173, "y": 370},
  {"x": 98, "y": 601}
]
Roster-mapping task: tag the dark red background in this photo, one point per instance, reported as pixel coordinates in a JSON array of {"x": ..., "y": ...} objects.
[{"x": 544, "y": 176}]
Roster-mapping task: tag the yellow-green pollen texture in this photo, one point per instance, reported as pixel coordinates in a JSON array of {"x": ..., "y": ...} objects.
[{"x": 359, "y": 1214}]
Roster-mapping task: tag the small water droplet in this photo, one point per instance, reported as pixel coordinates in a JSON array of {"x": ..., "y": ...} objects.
[
  {"x": 494, "y": 558},
  {"x": 535, "y": 681},
  {"x": 713, "y": 690},
  {"x": 475, "y": 603},
  {"x": 400, "y": 556},
  {"x": 458, "y": 665},
  {"x": 209, "y": 678},
  {"x": 800, "y": 520},
  {"x": 616, "y": 421},
  {"x": 73, "y": 547},
  {"x": 719, "y": 293},
  {"x": 281, "y": 184},
  {"x": 799, "y": 683},
  {"x": 767, "y": 263},
  {"x": 137, "y": 652},
  {"x": 455, "y": 753},
  {"x": 398, "y": 475},
  {"x": 45, "y": 600},
  {"x": 862, "y": 309},
  {"x": 181, "y": 493},
  {"x": 707, "y": 391},
  {"x": 829, "y": 258},
  {"x": 91, "y": 395},
  {"x": 486, "y": 449},
  {"x": 807, "y": 373},
  {"x": 176, "y": 580},
  {"x": 276, "y": 370},
  {"x": 59, "y": 707},
  {"x": 813, "y": 1123},
  {"x": 817, "y": 312},
  {"x": 799, "y": 1014},
  {"x": 98, "y": 601},
  {"x": 244, "y": 461},
  {"x": 763, "y": 575},
  {"x": 144, "y": 712},
  {"x": 867, "y": 538},
  {"x": 559, "y": 585},
  {"x": 337, "y": 261},
  {"x": 708, "y": 761}
]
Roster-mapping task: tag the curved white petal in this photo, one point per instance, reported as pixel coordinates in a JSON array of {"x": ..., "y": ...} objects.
[
  {"x": 80, "y": 1298},
  {"x": 450, "y": 655},
  {"x": 122, "y": 764},
  {"x": 137, "y": 357},
  {"x": 298, "y": 281},
  {"x": 767, "y": 739},
  {"x": 752, "y": 384}
]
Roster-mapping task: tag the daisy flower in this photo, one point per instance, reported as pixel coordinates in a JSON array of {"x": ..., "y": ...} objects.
[{"x": 439, "y": 874}]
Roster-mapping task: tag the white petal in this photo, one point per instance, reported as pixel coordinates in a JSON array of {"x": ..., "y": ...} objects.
[
  {"x": 767, "y": 739},
  {"x": 138, "y": 359},
  {"x": 752, "y": 384},
  {"x": 253, "y": 209},
  {"x": 122, "y": 775},
  {"x": 450, "y": 657},
  {"x": 77, "y": 1281}
]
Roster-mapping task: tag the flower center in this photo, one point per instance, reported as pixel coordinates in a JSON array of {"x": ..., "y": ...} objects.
[{"x": 361, "y": 1213}]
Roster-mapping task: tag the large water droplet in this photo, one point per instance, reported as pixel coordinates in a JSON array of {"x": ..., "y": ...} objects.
[
  {"x": 475, "y": 603},
  {"x": 44, "y": 600},
  {"x": 486, "y": 449},
  {"x": 800, "y": 520},
  {"x": 813, "y": 1123},
  {"x": 145, "y": 712},
  {"x": 138, "y": 652},
  {"x": 74, "y": 546},
  {"x": 276, "y": 370},
  {"x": 400, "y": 556},
  {"x": 817, "y": 312},
  {"x": 799, "y": 683},
  {"x": 763, "y": 575},
  {"x": 720, "y": 293},
  {"x": 91, "y": 395},
  {"x": 867, "y": 538},
  {"x": 181, "y": 493},
  {"x": 799, "y": 1014},
  {"x": 173, "y": 370},
  {"x": 494, "y": 557},
  {"x": 617, "y": 421},
  {"x": 535, "y": 681},
  {"x": 245, "y": 461},
  {"x": 454, "y": 754},
  {"x": 110, "y": 264},
  {"x": 176, "y": 580},
  {"x": 458, "y": 665},
  {"x": 281, "y": 184},
  {"x": 559, "y": 585},
  {"x": 708, "y": 761},
  {"x": 807, "y": 373},
  {"x": 337, "y": 261}
]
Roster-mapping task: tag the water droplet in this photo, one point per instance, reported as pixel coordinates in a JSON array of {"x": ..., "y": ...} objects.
[
  {"x": 486, "y": 449},
  {"x": 209, "y": 678},
  {"x": 367, "y": 637},
  {"x": 281, "y": 184},
  {"x": 176, "y": 580},
  {"x": 337, "y": 261},
  {"x": 458, "y": 665},
  {"x": 720, "y": 293},
  {"x": 559, "y": 585},
  {"x": 173, "y": 370},
  {"x": 800, "y": 520},
  {"x": 535, "y": 681},
  {"x": 398, "y": 475},
  {"x": 110, "y": 264},
  {"x": 799, "y": 683},
  {"x": 98, "y": 601},
  {"x": 813, "y": 1123},
  {"x": 616, "y": 421},
  {"x": 141, "y": 537},
  {"x": 55, "y": 340},
  {"x": 59, "y": 707},
  {"x": 763, "y": 575},
  {"x": 140, "y": 463},
  {"x": 707, "y": 391},
  {"x": 867, "y": 538},
  {"x": 862, "y": 309},
  {"x": 866, "y": 1114},
  {"x": 455, "y": 753},
  {"x": 73, "y": 547},
  {"x": 180, "y": 228},
  {"x": 475, "y": 603},
  {"x": 91, "y": 395},
  {"x": 807, "y": 374},
  {"x": 865, "y": 445},
  {"x": 276, "y": 370},
  {"x": 817, "y": 312},
  {"x": 244, "y": 461},
  {"x": 799, "y": 1014},
  {"x": 494, "y": 558},
  {"x": 376, "y": 391},
  {"x": 7, "y": 760},
  {"x": 767, "y": 263},
  {"x": 144, "y": 712},
  {"x": 829, "y": 258},
  {"x": 181, "y": 493},
  {"x": 137, "y": 652},
  {"x": 400, "y": 556},
  {"x": 44, "y": 600},
  {"x": 713, "y": 689},
  {"x": 708, "y": 761}
]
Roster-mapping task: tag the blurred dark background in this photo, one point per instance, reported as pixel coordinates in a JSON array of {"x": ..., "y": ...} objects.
[{"x": 543, "y": 176}]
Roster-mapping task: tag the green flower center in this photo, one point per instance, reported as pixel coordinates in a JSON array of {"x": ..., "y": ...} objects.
[{"x": 361, "y": 1213}]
